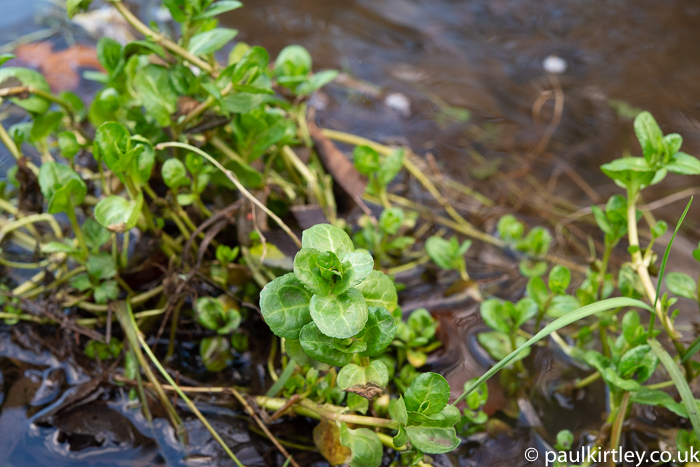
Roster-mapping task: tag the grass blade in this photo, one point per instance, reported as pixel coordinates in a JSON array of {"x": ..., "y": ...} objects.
[
  {"x": 681, "y": 384},
  {"x": 284, "y": 377},
  {"x": 663, "y": 265},
  {"x": 692, "y": 350},
  {"x": 556, "y": 325}
]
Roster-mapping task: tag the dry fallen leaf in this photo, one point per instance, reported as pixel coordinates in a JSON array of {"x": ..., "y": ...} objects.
[{"x": 60, "y": 68}]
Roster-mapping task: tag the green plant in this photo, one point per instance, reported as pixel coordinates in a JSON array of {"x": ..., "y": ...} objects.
[
  {"x": 335, "y": 309},
  {"x": 449, "y": 254},
  {"x": 386, "y": 237},
  {"x": 379, "y": 169},
  {"x": 535, "y": 244}
]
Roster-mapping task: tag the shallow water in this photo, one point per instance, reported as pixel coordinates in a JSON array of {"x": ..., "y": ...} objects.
[{"x": 432, "y": 61}]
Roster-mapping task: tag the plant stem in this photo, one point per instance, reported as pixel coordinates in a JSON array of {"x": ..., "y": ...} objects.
[
  {"x": 231, "y": 176},
  {"x": 162, "y": 40},
  {"x": 619, "y": 420},
  {"x": 78, "y": 232},
  {"x": 310, "y": 409}
]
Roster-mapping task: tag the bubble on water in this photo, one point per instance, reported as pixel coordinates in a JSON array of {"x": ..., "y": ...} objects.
[{"x": 554, "y": 64}]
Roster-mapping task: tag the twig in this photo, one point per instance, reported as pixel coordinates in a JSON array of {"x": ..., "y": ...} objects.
[{"x": 262, "y": 426}]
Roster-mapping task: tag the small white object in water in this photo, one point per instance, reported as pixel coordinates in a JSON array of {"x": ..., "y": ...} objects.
[
  {"x": 554, "y": 64},
  {"x": 399, "y": 103}
]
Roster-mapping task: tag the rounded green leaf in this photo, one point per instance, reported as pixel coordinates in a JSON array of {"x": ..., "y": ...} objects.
[
  {"x": 397, "y": 410},
  {"x": 340, "y": 316},
  {"x": 559, "y": 279},
  {"x": 174, "y": 173},
  {"x": 17, "y": 76},
  {"x": 561, "y": 305},
  {"x": 379, "y": 291},
  {"x": 433, "y": 440},
  {"x": 62, "y": 188},
  {"x": 210, "y": 41},
  {"x": 378, "y": 332},
  {"x": 210, "y": 312},
  {"x": 68, "y": 144},
  {"x": 320, "y": 347},
  {"x": 293, "y": 60},
  {"x": 119, "y": 214},
  {"x": 365, "y": 445},
  {"x": 494, "y": 315},
  {"x": 326, "y": 237},
  {"x": 681, "y": 284},
  {"x": 358, "y": 265},
  {"x": 307, "y": 271},
  {"x": 427, "y": 387},
  {"x": 284, "y": 304},
  {"x": 215, "y": 353},
  {"x": 111, "y": 142},
  {"x": 366, "y": 381}
]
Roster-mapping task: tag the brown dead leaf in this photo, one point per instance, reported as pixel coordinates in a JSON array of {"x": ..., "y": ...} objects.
[
  {"x": 368, "y": 390},
  {"x": 327, "y": 440},
  {"x": 59, "y": 68},
  {"x": 343, "y": 171}
]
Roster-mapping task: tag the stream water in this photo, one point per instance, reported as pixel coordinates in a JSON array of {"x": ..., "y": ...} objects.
[{"x": 461, "y": 80}]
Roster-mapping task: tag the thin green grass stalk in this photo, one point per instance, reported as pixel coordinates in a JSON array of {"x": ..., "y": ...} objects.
[
  {"x": 126, "y": 320},
  {"x": 231, "y": 176},
  {"x": 187, "y": 400},
  {"x": 569, "y": 318},
  {"x": 284, "y": 377},
  {"x": 663, "y": 266},
  {"x": 681, "y": 384}
]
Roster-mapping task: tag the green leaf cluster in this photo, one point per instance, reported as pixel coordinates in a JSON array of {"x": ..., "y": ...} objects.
[{"x": 336, "y": 306}]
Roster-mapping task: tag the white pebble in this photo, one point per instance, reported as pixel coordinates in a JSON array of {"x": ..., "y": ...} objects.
[
  {"x": 399, "y": 103},
  {"x": 554, "y": 64}
]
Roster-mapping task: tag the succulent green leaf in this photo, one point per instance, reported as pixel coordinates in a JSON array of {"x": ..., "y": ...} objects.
[
  {"x": 215, "y": 353},
  {"x": 320, "y": 347},
  {"x": 111, "y": 143},
  {"x": 430, "y": 388},
  {"x": 561, "y": 305},
  {"x": 284, "y": 303},
  {"x": 684, "y": 164},
  {"x": 307, "y": 271},
  {"x": 210, "y": 41},
  {"x": 217, "y": 8},
  {"x": 326, "y": 237},
  {"x": 494, "y": 315},
  {"x": 118, "y": 214},
  {"x": 62, "y": 188},
  {"x": 154, "y": 89},
  {"x": 649, "y": 134},
  {"x": 378, "y": 333},
  {"x": 365, "y": 445},
  {"x": 433, "y": 440},
  {"x": 174, "y": 173},
  {"x": 379, "y": 291},
  {"x": 397, "y": 410},
  {"x": 340, "y": 316},
  {"x": 681, "y": 284},
  {"x": 357, "y": 265},
  {"x": 559, "y": 279}
]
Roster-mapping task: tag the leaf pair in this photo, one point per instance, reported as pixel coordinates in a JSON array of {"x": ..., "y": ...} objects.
[{"x": 425, "y": 419}]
